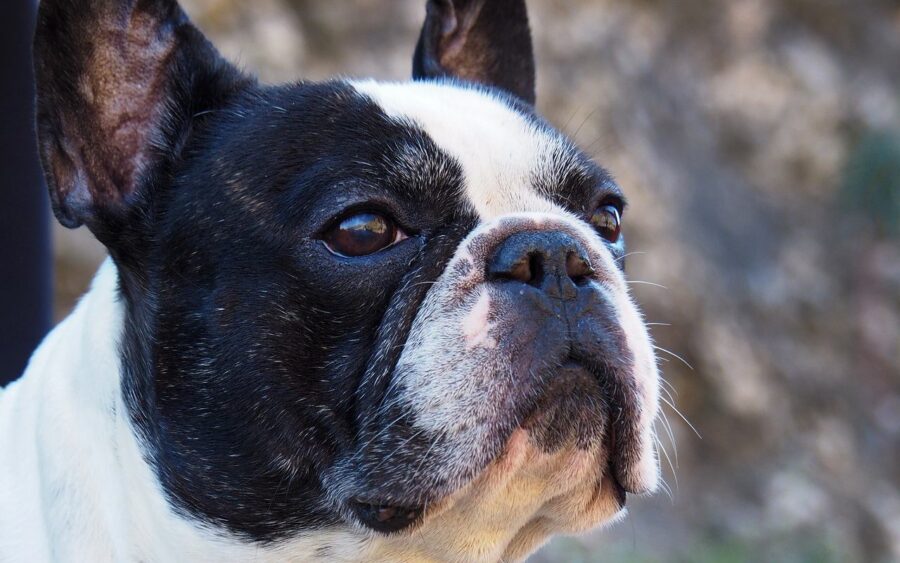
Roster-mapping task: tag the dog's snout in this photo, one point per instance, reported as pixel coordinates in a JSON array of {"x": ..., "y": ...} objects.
[{"x": 551, "y": 261}]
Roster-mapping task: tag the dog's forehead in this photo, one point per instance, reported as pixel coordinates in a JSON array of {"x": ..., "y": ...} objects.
[{"x": 509, "y": 158}]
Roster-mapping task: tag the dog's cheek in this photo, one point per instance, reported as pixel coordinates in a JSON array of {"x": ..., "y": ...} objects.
[
  {"x": 453, "y": 363},
  {"x": 643, "y": 474},
  {"x": 646, "y": 375}
]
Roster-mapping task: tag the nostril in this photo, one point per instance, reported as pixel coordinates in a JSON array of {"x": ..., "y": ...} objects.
[
  {"x": 553, "y": 262},
  {"x": 521, "y": 271},
  {"x": 578, "y": 268},
  {"x": 530, "y": 269},
  {"x": 536, "y": 267}
]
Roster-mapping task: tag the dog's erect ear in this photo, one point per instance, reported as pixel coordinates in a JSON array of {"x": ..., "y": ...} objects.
[
  {"x": 485, "y": 41},
  {"x": 118, "y": 84}
]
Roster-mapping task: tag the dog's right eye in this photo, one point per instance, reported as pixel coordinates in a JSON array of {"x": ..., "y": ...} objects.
[{"x": 362, "y": 234}]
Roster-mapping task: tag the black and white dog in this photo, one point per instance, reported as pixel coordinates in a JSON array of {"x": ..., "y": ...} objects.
[{"x": 341, "y": 321}]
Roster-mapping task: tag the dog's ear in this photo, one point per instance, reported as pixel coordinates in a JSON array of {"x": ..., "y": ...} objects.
[
  {"x": 118, "y": 85},
  {"x": 485, "y": 41}
]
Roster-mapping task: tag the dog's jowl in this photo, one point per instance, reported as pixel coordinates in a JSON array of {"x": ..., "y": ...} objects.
[{"x": 340, "y": 321}]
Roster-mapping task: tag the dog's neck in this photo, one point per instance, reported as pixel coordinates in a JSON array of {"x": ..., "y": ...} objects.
[{"x": 94, "y": 493}]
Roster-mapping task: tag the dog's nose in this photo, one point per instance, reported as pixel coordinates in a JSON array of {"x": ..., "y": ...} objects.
[{"x": 551, "y": 261}]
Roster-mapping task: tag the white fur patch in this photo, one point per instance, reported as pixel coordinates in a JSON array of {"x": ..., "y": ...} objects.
[{"x": 498, "y": 148}]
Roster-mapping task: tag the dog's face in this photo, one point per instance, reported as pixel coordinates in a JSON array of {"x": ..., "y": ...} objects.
[{"x": 394, "y": 308}]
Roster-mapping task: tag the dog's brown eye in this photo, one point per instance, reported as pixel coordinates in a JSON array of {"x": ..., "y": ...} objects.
[
  {"x": 362, "y": 234},
  {"x": 608, "y": 222}
]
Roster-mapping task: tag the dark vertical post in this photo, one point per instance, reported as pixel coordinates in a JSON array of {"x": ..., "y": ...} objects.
[{"x": 25, "y": 267}]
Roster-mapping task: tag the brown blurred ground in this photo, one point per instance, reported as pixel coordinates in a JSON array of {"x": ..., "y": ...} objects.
[{"x": 759, "y": 144}]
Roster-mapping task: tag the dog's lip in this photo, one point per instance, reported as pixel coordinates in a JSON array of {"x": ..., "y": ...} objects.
[
  {"x": 618, "y": 489},
  {"x": 575, "y": 365},
  {"x": 575, "y": 368},
  {"x": 385, "y": 518},
  {"x": 621, "y": 494}
]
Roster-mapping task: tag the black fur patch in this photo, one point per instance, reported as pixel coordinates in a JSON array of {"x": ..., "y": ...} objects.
[{"x": 248, "y": 340}]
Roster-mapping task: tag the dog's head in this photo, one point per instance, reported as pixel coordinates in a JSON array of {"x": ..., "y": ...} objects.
[{"x": 395, "y": 309}]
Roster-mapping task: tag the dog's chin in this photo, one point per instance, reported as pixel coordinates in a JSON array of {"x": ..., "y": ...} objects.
[
  {"x": 509, "y": 509},
  {"x": 554, "y": 469}
]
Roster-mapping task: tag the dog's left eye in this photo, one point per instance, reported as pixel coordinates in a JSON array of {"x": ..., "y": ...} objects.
[
  {"x": 362, "y": 234},
  {"x": 608, "y": 222}
]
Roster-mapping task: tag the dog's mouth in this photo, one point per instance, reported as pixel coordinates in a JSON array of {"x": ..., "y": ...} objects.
[
  {"x": 386, "y": 518},
  {"x": 620, "y": 494},
  {"x": 558, "y": 426}
]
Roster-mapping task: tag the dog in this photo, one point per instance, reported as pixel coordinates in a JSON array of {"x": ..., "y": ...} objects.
[{"x": 339, "y": 321}]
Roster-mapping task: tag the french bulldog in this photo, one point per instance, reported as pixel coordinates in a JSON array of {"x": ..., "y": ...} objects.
[{"x": 340, "y": 321}]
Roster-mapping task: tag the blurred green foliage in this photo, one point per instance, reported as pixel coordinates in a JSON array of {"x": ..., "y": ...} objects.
[{"x": 871, "y": 183}]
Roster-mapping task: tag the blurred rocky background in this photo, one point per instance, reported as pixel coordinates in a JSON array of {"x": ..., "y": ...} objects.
[{"x": 759, "y": 144}]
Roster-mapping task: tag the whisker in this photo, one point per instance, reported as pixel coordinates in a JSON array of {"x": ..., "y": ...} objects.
[
  {"x": 397, "y": 449},
  {"x": 624, "y": 256},
  {"x": 670, "y": 433},
  {"x": 385, "y": 407},
  {"x": 662, "y": 448},
  {"x": 686, "y": 421},
  {"x": 441, "y": 435},
  {"x": 642, "y": 282},
  {"x": 380, "y": 433},
  {"x": 589, "y": 116},
  {"x": 571, "y": 117},
  {"x": 666, "y": 488},
  {"x": 667, "y": 426},
  {"x": 674, "y": 355},
  {"x": 605, "y": 146},
  {"x": 670, "y": 400},
  {"x": 667, "y": 388}
]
